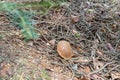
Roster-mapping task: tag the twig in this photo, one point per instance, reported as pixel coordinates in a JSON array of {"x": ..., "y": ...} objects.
[
  {"x": 99, "y": 38},
  {"x": 73, "y": 73},
  {"x": 113, "y": 69},
  {"x": 117, "y": 44},
  {"x": 96, "y": 71},
  {"x": 3, "y": 31}
]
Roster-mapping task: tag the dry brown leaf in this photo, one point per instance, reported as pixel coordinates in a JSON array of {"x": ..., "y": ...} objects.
[
  {"x": 98, "y": 65},
  {"x": 100, "y": 52},
  {"x": 6, "y": 70},
  {"x": 48, "y": 44},
  {"x": 103, "y": 30},
  {"x": 115, "y": 75},
  {"x": 87, "y": 69},
  {"x": 74, "y": 31},
  {"x": 30, "y": 43},
  {"x": 43, "y": 32},
  {"x": 52, "y": 42},
  {"x": 84, "y": 78},
  {"x": 75, "y": 78},
  {"x": 80, "y": 50},
  {"x": 74, "y": 18},
  {"x": 96, "y": 77},
  {"x": 82, "y": 60},
  {"x": 59, "y": 16},
  {"x": 119, "y": 47},
  {"x": 114, "y": 26}
]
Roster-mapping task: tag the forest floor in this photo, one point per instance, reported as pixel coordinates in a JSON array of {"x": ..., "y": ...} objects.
[{"x": 91, "y": 26}]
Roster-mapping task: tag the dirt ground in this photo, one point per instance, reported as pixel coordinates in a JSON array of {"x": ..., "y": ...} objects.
[{"x": 91, "y": 26}]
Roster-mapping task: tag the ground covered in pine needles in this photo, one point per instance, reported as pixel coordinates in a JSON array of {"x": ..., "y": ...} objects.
[{"x": 91, "y": 26}]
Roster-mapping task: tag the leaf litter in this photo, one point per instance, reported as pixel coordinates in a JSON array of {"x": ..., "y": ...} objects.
[{"x": 91, "y": 27}]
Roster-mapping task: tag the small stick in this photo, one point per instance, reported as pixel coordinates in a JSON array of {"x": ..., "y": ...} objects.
[{"x": 96, "y": 71}]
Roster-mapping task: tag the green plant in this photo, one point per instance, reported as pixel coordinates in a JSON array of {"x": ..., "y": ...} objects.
[
  {"x": 1, "y": 37},
  {"x": 22, "y": 18},
  {"x": 77, "y": 35}
]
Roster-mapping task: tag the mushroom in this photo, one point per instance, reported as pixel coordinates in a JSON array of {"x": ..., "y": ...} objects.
[{"x": 64, "y": 49}]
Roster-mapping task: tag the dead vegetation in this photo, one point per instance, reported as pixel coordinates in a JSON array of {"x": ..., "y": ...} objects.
[{"x": 91, "y": 26}]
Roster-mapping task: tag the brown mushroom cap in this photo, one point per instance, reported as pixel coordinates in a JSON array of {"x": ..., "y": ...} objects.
[{"x": 64, "y": 50}]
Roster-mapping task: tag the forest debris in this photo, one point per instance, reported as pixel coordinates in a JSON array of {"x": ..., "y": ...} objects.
[
  {"x": 74, "y": 18},
  {"x": 96, "y": 77},
  {"x": 83, "y": 60},
  {"x": 87, "y": 69},
  {"x": 109, "y": 46},
  {"x": 84, "y": 78},
  {"x": 115, "y": 75},
  {"x": 100, "y": 52},
  {"x": 52, "y": 42},
  {"x": 6, "y": 69}
]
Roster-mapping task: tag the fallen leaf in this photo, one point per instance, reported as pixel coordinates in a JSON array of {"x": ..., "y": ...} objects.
[
  {"x": 114, "y": 26},
  {"x": 6, "y": 70},
  {"x": 74, "y": 19},
  {"x": 84, "y": 78},
  {"x": 119, "y": 47},
  {"x": 52, "y": 42},
  {"x": 115, "y": 75},
  {"x": 100, "y": 52},
  {"x": 48, "y": 44},
  {"x": 75, "y": 31},
  {"x": 30, "y": 43},
  {"x": 80, "y": 50},
  {"x": 83, "y": 60},
  {"x": 75, "y": 78},
  {"x": 96, "y": 77},
  {"x": 98, "y": 65},
  {"x": 103, "y": 30},
  {"x": 109, "y": 46},
  {"x": 87, "y": 69}
]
